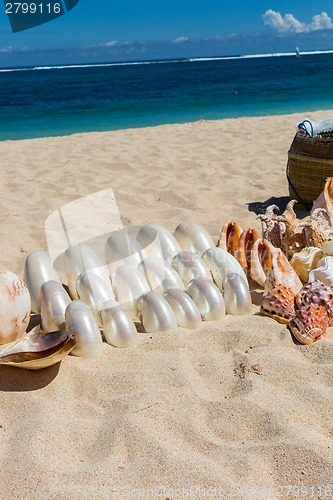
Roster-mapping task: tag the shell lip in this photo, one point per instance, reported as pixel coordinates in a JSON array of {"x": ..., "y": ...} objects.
[
  {"x": 313, "y": 335},
  {"x": 280, "y": 318}
]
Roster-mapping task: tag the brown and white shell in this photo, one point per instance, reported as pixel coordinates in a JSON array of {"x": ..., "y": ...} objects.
[
  {"x": 309, "y": 323},
  {"x": 318, "y": 293},
  {"x": 279, "y": 304},
  {"x": 325, "y": 199},
  {"x": 281, "y": 273},
  {"x": 317, "y": 229}
]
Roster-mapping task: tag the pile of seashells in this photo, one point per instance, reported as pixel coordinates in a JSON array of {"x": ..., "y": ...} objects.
[
  {"x": 293, "y": 261},
  {"x": 153, "y": 277}
]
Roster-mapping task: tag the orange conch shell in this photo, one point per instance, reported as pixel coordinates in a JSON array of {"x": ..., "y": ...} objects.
[
  {"x": 243, "y": 251},
  {"x": 309, "y": 323},
  {"x": 279, "y": 304},
  {"x": 281, "y": 273},
  {"x": 229, "y": 236},
  {"x": 261, "y": 257},
  {"x": 325, "y": 199}
]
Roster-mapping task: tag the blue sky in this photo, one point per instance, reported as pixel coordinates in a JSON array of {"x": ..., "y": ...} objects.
[{"x": 102, "y": 30}]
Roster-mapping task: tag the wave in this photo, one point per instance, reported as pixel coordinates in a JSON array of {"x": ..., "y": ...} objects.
[{"x": 165, "y": 61}]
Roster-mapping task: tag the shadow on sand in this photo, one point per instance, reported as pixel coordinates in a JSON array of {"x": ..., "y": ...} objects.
[{"x": 259, "y": 207}]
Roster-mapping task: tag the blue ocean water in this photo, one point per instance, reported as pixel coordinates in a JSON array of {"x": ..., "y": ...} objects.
[{"x": 52, "y": 101}]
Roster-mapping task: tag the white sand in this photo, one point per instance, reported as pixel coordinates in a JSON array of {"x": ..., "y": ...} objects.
[{"x": 233, "y": 404}]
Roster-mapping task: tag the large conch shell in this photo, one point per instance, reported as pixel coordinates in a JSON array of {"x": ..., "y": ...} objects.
[
  {"x": 323, "y": 271},
  {"x": 260, "y": 260},
  {"x": 229, "y": 236},
  {"x": 281, "y": 273},
  {"x": 304, "y": 261},
  {"x": 15, "y": 307},
  {"x": 325, "y": 199},
  {"x": 36, "y": 349}
]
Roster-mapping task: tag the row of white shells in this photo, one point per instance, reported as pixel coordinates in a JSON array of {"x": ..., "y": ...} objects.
[{"x": 160, "y": 279}]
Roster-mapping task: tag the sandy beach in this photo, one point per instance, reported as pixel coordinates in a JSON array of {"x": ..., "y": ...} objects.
[{"x": 233, "y": 409}]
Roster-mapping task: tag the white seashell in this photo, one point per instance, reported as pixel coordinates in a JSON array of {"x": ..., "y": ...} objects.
[
  {"x": 207, "y": 298},
  {"x": 323, "y": 271},
  {"x": 54, "y": 300},
  {"x": 221, "y": 264},
  {"x": 161, "y": 242},
  {"x": 122, "y": 248},
  {"x": 128, "y": 285},
  {"x": 80, "y": 259},
  {"x": 159, "y": 274},
  {"x": 81, "y": 324},
  {"x": 328, "y": 247},
  {"x": 93, "y": 291},
  {"x": 237, "y": 295},
  {"x": 15, "y": 307},
  {"x": 156, "y": 314},
  {"x": 281, "y": 273},
  {"x": 304, "y": 261},
  {"x": 118, "y": 327},
  {"x": 185, "y": 310},
  {"x": 193, "y": 237},
  {"x": 37, "y": 350},
  {"x": 190, "y": 266},
  {"x": 37, "y": 270}
]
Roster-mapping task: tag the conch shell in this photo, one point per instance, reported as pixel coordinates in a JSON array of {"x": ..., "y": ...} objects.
[
  {"x": 36, "y": 349},
  {"x": 323, "y": 271},
  {"x": 309, "y": 323},
  {"x": 229, "y": 236},
  {"x": 15, "y": 307},
  {"x": 325, "y": 199},
  {"x": 318, "y": 293},
  {"x": 304, "y": 261},
  {"x": 281, "y": 273},
  {"x": 279, "y": 304}
]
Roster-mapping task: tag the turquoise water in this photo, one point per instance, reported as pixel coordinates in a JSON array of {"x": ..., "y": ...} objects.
[{"x": 51, "y": 101}]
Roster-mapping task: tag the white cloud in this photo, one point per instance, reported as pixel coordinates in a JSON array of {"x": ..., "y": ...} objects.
[
  {"x": 7, "y": 49},
  {"x": 289, "y": 24},
  {"x": 180, "y": 39},
  {"x": 111, "y": 44}
]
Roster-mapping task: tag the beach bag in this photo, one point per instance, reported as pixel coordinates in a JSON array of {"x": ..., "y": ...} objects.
[{"x": 310, "y": 161}]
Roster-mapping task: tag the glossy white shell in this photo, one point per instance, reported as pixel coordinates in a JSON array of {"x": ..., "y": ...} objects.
[
  {"x": 221, "y": 263},
  {"x": 37, "y": 270},
  {"x": 80, "y": 259},
  {"x": 128, "y": 285},
  {"x": 93, "y": 291},
  {"x": 122, "y": 248},
  {"x": 323, "y": 271},
  {"x": 185, "y": 310},
  {"x": 207, "y": 298},
  {"x": 118, "y": 327},
  {"x": 155, "y": 313},
  {"x": 190, "y": 266},
  {"x": 81, "y": 324},
  {"x": 159, "y": 274},
  {"x": 54, "y": 301},
  {"x": 37, "y": 350},
  {"x": 15, "y": 307},
  {"x": 193, "y": 237},
  {"x": 237, "y": 295},
  {"x": 161, "y": 242}
]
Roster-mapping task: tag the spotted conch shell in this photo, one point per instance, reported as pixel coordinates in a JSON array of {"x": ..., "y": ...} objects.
[
  {"x": 279, "y": 304},
  {"x": 304, "y": 261},
  {"x": 281, "y": 273},
  {"x": 318, "y": 293},
  {"x": 325, "y": 199},
  {"x": 309, "y": 323}
]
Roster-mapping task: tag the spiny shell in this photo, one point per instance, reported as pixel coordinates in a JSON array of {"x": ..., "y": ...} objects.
[
  {"x": 162, "y": 242},
  {"x": 80, "y": 259},
  {"x": 15, "y": 307},
  {"x": 81, "y": 324},
  {"x": 128, "y": 285},
  {"x": 237, "y": 295},
  {"x": 94, "y": 292},
  {"x": 304, "y": 261},
  {"x": 309, "y": 323},
  {"x": 189, "y": 266},
  {"x": 279, "y": 304},
  {"x": 54, "y": 300},
  {"x": 159, "y": 274},
  {"x": 118, "y": 327},
  {"x": 37, "y": 270},
  {"x": 37, "y": 350},
  {"x": 323, "y": 271},
  {"x": 155, "y": 313},
  {"x": 221, "y": 263},
  {"x": 193, "y": 237},
  {"x": 186, "y": 312},
  {"x": 207, "y": 297},
  {"x": 122, "y": 248}
]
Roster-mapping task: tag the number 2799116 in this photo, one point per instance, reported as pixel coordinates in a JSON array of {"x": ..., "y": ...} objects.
[{"x": 32, "y": 8}]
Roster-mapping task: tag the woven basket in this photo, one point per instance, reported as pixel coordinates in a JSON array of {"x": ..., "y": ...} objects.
[{"x": 310, "y": 162}]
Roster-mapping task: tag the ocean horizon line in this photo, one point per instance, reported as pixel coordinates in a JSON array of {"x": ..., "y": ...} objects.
[{"x": 163, "y": 61}]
